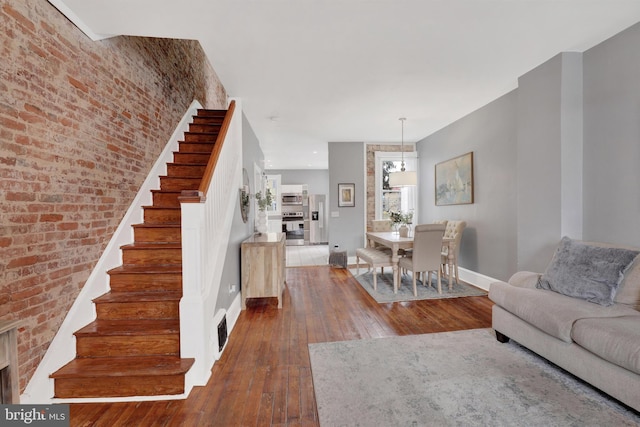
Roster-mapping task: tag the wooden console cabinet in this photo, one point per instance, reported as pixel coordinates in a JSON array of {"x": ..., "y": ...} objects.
[
  {"x": 263, "y": 267},
  {"x": 9, "y": 387}
]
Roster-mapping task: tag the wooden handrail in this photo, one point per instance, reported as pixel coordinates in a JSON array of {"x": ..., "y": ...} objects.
[{"x": 200, "y": 195}]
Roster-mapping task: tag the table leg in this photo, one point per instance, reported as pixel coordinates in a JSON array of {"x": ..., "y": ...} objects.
[{"x": 396, "y": 273}]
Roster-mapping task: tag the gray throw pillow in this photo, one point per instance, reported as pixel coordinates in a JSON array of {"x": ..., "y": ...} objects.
[{"x": 592, "y": 273}]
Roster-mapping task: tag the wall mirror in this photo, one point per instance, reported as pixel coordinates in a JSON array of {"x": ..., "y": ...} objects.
[{"x": 245, "y": 194}]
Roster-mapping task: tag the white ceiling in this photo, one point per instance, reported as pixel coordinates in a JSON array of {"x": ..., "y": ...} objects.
[{"x": 313, "y": 71}]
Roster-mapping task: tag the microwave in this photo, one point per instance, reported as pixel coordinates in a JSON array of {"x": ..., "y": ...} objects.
[{"x": 289, "y": 199}]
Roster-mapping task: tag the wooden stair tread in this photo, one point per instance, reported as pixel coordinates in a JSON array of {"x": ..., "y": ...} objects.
[
  {"x": 132, "y": 327},
  {"x": 154, "y": 245},
  {"x": 152, "y": 207},
  {"x": 139, "y": 296},
  {"x": 207, "y": 112},
  {"x": 133, "y": 366},
  {"x": 196, "y": 143},
  {"x": 212, "y": 132},
  {"x": 146, "y": 269},
  {"x": 158, "y": 225}
]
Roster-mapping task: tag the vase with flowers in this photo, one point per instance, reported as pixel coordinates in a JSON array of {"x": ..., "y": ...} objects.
[
  {"x": 263, "y": 203},
  {"x": 401, "y": 222}
]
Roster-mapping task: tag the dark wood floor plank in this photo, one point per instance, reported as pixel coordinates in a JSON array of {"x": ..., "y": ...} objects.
[
  {"x": 265, "y": 413},
  {"x": 251, "y": 412},
  {"x": 263, "y": 378},
  {"x": 308, "y": 410}
]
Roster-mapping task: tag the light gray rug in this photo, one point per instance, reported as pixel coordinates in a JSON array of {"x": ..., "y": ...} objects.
[
  {"x": 463, "y": 378},
  {"x": 384, "y": 293}
]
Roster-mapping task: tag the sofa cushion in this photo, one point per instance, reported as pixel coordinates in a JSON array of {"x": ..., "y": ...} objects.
[
  {"x": 615, "y": 339},
  {"x": 629, "y": 290},
  {"x": 586, "y": 271},
  {"x": 549, "y": 311}
]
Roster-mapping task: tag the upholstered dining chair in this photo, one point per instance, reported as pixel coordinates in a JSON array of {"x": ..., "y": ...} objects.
[
  {"x": 425, "y": 257},
  {"x": 452, "y": 233},
  {"x": 381, "y": 225}
]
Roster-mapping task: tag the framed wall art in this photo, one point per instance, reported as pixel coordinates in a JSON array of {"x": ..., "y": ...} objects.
[
  {"x": 454, "y": 181},
  {"x": 346, "y": 195}
]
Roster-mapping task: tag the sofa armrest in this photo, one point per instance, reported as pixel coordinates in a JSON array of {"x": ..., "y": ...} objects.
[{"x": 525, "y": 279}]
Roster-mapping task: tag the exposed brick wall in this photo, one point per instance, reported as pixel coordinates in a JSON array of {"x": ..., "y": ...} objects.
[{"x": 81, "y": 124}]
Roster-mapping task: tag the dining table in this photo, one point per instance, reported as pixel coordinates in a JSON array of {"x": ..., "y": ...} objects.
[{"x": 393, "y": 240}]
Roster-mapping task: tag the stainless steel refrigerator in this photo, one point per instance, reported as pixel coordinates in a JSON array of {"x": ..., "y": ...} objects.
[{"x": 318, "y": 223}]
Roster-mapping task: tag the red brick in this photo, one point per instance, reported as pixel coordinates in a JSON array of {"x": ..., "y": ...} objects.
[
  {"x": 78, "y": 84},
  {"x": 51, "y": 218},
  {"x": 24, "y": 261},
  {"x": 12, "y": 196},
  {"x": 18, "y": 17},
  {"x": 66, "y": 226},
  {"x": 12, "y": 124},
  {"x": 23, "y": 219}
]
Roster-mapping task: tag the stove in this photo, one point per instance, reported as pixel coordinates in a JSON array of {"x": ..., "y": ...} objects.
[
  {"x": 292, "y": 216},
  {"x": 293, "y": 227}
]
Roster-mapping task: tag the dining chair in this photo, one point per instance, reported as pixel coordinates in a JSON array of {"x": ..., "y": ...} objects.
[
  {"x": 381, "y": 225},
  {"x": 425, "y": 257},
  {"x": 453, "y": 233},
  {"x": 375, "y": 258}
]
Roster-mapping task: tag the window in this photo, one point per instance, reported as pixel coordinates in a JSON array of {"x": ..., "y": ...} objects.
[{"x": 399, "y": 199}]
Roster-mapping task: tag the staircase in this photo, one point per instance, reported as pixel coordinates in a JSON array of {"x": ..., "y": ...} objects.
[{"x": 133, "y": 346}]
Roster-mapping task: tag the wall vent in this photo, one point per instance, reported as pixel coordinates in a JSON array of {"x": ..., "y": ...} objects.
[{"x": 222, "y": 333}]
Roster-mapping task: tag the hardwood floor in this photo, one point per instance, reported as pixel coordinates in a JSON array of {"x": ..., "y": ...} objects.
[{"x": 264, "y": 375}]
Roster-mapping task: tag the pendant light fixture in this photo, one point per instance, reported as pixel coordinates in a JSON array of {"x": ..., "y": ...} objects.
[{"x": 402, "y": 178}]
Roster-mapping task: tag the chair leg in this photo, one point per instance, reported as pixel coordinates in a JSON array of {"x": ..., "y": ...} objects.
[
  {"x": 428, "y": 284},
  {"x": 357, "y": 265},
  {"x": 439, "y": 283},
  {"x": 415, "y": 288},
  {"x": 456, "y": 269},
  {"x": 375, "y": 279}
]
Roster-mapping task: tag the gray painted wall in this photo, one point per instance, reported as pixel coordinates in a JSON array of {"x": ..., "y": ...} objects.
[
  {"x": 316, "y": 179},
  {"x": 251, "y": 153},
  {"x": 558, "y": 156},
  {"x": 549, "y": 158},
  {"x": 612, "y": 140},
  {"x": 489, "y": 242},
  {"x": 538, "y": 164},
  {"x": 347, "y": 165}
]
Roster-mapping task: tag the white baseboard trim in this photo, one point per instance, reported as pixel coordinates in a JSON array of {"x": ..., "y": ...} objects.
[{"x": 476, "y": 279}]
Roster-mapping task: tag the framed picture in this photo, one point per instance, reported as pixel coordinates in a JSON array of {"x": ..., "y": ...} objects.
[
  {"x": 346, "y": 195},
  {"x": 454, "y": 181}
]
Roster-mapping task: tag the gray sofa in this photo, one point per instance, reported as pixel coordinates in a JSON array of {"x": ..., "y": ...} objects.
[{"x": 598, "y": 342}]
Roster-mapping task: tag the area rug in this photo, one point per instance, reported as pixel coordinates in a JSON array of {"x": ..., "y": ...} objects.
[
  {"x": 463, "y": 378},
  {"x": 384, "y": 293}
]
